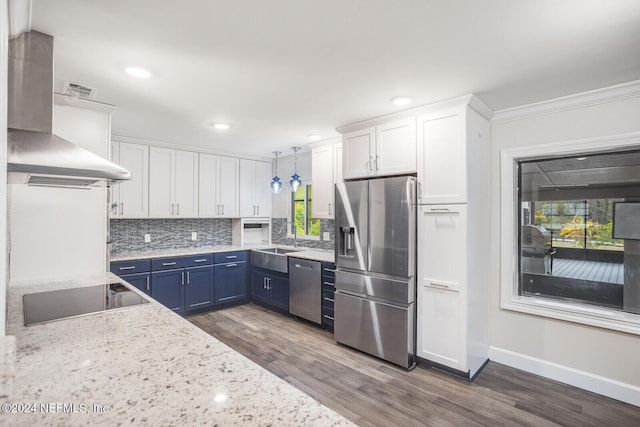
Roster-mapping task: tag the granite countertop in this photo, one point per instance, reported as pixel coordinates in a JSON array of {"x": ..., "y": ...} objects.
[
  {"x": 141, "y": 365},
  {"x": 300, "y": 252}
]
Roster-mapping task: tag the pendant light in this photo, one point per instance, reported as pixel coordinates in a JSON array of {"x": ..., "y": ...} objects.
[
  {"x": 295, "y": 178},
  {"x": 276, "y": 184}
]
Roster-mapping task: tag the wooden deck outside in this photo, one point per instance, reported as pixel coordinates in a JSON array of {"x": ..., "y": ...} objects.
[{"x": 608, "y": 272}]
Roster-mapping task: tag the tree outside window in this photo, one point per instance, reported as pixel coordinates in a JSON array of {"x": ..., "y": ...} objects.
[{"x": 301, "y": 213}]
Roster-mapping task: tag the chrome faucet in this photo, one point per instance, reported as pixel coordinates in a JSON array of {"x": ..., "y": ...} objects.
[{"x": 295, "y": 234}]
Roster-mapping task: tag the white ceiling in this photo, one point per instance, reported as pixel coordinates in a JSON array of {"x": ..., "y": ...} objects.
[{"x": 279, "y": 70}]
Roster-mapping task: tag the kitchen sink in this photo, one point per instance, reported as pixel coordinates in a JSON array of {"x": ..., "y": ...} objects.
[{"x": 274, "y": 259}]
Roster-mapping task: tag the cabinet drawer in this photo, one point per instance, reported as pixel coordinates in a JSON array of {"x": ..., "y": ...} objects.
[
  {"x": 327, "y": 299},
  {"x": 327, "y": 316},
  {"x": 171, "y": 263},
  {"x": 328, "y": 269},
  {"x": 130, "y": 267},
  {"x": 236, "y": 256}
]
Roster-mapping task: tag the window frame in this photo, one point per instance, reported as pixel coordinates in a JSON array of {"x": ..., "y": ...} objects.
[
  {"x": 291, "y": 224},
  {"x": 509, "y": 235}
]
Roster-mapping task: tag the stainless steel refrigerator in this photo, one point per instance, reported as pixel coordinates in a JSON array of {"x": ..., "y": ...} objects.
[{"x": 375, "y": 267}]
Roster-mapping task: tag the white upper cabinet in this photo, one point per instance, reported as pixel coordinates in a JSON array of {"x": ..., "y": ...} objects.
[
  {"x": 357, "y": 149},
  {"x": 255, "y": 190},
  {"x": 387, "y": 149},
  {"x": 130, "y": 199},
  {"x": 218, "y": 187},
  {"x": 326, "y": 171},
  {"x": 173, "y": 183},
  {"x": 443, "y": 156},
  {"x": 396, "y": 147}
]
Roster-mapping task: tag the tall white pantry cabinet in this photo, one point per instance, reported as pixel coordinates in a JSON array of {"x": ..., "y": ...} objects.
[{"x": 453, "y": 235}]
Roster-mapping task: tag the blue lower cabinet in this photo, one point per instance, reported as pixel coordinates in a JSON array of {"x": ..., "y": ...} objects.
[
  {"x": 270, "y": 288},
  {"x": 167, "y": 288},
  {"x": 230, "y": 282},
  {"x": 141, "y": 281},
  {"x": 198, "y": 288}
]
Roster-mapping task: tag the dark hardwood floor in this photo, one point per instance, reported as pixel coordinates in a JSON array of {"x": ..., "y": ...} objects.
[{"x": 371, "y": 392}]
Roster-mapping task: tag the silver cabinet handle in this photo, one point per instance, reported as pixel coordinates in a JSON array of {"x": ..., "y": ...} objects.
[
  {"x": 200, "y": 260},
  {"x": 231, "y": 257},
  {"x": 419, "y": 190},
  {"x": 128, "y": 268},
  {"x": 439, "y": 285},
  {"x": 264, "y": 283},
  {"x": 328, "y": 317},
  {"x": 370, "y": 163},
  {"x": 147, "y": 283},
  {"x": 188, "y": 278},
  {"x": 376, "y": 161},
  {"x": 331, "y": 270},
  {"x": 122, "y": 208},
  {"x": 178, "y": 211},
  {"x": 222, "y": 209},
  {"x": 172, "y": 209},
  {"x": 182, "y": 274},
  {"x": 168, "y": 263},
  {"x": 231, "y": 265},
  {"x": 217, "y": 209},
  {"x": 329, "y": 299},
  {"x": 258, "y": 209},
  {"x": 329, "y": 284}
]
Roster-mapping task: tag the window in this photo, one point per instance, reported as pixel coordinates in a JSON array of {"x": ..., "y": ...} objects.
[
  {"x": 563, "y": 254},
  {"x": 301, "y": 213}
]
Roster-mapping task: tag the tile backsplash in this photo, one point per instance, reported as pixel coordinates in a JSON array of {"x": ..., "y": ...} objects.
[
  {"x": 279, "y": 234},
  {"x": 128, "y": 234}
]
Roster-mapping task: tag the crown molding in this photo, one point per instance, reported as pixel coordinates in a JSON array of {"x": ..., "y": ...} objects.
[{"x": 569, "y": 102}]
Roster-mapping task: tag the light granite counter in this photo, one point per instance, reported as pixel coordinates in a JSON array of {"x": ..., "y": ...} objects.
[
  {"x": 141, "y": 365},
  {"x": 300, "y": 252}
]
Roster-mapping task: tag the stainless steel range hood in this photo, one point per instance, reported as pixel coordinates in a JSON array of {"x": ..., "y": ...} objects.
[{"x": 33, "y": 151}]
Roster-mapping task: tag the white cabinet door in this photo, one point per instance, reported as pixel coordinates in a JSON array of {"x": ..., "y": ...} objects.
[
  {"x": 439, "y": 327},
  {"x": 358, "y": 149},
  {"x": 442, "y": 269},
  {"x": 443, "y": 155},
  {"x": 133, "y": 195},
  {"x": 208, "y": 185},
  {"x": 396, "y": 147},
  {"x": 186, "y": 184},
  {"x": 247, "y": 183},
  {"x": 161, "y": 173},
  {"x": 229, "y": 189},
  {"x": 322, "y": 180},
  {"x": 262, "y": 189}
]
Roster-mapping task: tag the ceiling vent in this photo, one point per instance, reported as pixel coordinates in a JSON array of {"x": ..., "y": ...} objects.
[{"x": 79, "y": 91}]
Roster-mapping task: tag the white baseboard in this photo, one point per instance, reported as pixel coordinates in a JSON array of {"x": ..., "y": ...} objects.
[{"x": 614, "y": 389}]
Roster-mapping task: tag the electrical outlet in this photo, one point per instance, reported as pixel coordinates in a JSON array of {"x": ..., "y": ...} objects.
[
  {"x": 147, "y": 238},
  {"x": 326, "y": 235},
  {"x": 194, "y": 236}
]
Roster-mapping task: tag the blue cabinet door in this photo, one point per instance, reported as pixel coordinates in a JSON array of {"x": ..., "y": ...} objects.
[
  {"x": 279, "y": 292},
  {"x": 230, "y": 282},
  {"x": 141, "y": 281},
  {"x": 198, "y": 288},
  {"x": 167, "y": 288},
  {"x": 259, "y": 290}
]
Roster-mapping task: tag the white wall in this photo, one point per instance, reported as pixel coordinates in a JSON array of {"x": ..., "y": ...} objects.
[
  {"x": 4, "y": 19},
  {"x": 281, "y": 202},
  {"x": 551, "y": 347}
]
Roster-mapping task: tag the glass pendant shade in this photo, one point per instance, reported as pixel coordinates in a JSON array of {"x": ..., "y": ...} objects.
[
  {"x": 276, "y": 184},
  {"x": 295, "y": 182}
]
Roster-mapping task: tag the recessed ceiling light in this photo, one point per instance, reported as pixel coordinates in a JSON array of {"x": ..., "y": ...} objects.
[
  {"x": 138, "y": 72},
  {"x": 221, "y": 126},
  {"x": 401, "y": 101},
  {"x": 314, "y": 137},
  {"x": 581, "y": 158}
]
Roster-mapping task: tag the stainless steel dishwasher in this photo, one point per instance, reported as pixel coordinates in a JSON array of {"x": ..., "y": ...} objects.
[{"x": 305, "y": 289}]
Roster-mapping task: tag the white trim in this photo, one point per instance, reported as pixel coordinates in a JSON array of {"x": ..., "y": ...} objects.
[
  {"x": 191, "y": 148},
  {"x": 62, "y": 99},
  {"x": 614, "y": 389},
  {"x": 470, "y": 100},
  {"x": 570, "y": 102},
  {"x": 509, "y": 298}
]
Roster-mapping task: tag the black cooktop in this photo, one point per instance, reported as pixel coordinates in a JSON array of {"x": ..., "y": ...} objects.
[{"x": 64, "y": 303}]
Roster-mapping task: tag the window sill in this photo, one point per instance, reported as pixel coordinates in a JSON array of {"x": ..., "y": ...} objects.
[
  {"x": 572, "y": 312},
  {"x": 303, "y": 237}
]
